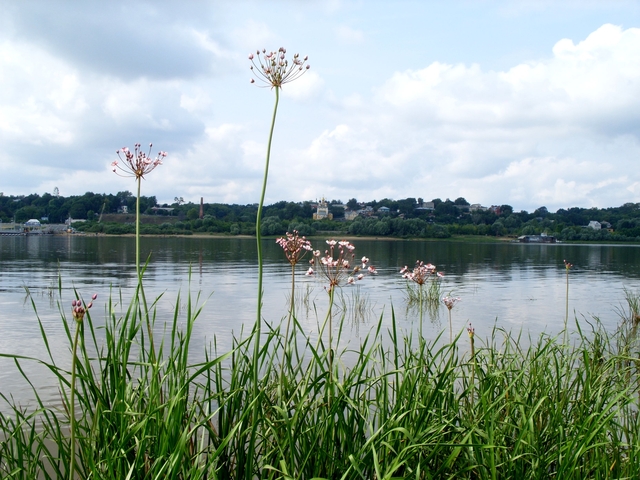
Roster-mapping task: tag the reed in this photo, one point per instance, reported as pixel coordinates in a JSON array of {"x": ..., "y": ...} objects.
[{"x": 389, "y": 407}]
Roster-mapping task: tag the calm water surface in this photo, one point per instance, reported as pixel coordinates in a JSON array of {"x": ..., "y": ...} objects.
[{"x": 514, "y": 286}]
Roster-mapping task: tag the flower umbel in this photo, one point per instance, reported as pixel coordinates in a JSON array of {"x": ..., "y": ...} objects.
[
  {"x": 137, "y": 163},
  {"x": 273, "y": 68},
  {"x": 295, "y": 247},
  {"x": 471, "y": 331},
  {"x": 567, "y": 265},
  {"x": 336, "y": 264},
  {"x": 78, "y": 309},
  {"x": 450, "y": 301},
  {"x": 420, "y": 273}
]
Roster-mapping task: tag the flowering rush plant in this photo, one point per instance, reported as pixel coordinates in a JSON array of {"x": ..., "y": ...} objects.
[
  {"x": 274, "y": 69},
  {"x": 295, "y": 247},
  {"x": 137, "y": 163},
  {"x": 78, "y": 309},
  {"x": 420, "y": 273},
  {"x": 450, "y": 302},
  {"x": 336, "y": 265}
]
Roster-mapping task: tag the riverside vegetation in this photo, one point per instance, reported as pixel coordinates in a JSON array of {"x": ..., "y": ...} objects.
[
  {"x": 449, "y": 218},
  {"x": 280, "y": 405},
  {"x": 513, "y": 407}
]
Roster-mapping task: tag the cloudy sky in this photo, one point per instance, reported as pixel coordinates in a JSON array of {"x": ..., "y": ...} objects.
[{"x": 528, "y": 103}]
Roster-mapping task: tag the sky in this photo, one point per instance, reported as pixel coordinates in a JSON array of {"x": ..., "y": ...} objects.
[{"x": 520, "y": 102}]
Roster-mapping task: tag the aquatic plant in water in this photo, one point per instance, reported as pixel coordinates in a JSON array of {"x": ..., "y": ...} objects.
[
  {"x": 472, "y": 335},
  {"x": 272, "y": 69},
  {"x": 137, "y": 164},
  {"x": 567, "y": 267},
  {"x": 423, "y": 274},
  {"x": 337, "y": 267},
  {"x": 295, "y": 248},
  {"x": 450, "y": 302},
  {"x": 78, "y": 311}
]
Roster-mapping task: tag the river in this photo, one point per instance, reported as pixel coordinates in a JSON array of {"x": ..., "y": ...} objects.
[{"x": 518, "y": 287}]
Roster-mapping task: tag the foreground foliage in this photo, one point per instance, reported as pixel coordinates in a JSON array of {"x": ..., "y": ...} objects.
[{"x": 392, "y": 407}]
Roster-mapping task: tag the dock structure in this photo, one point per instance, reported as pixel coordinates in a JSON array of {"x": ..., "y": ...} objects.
[{"x": 537, "y": 239}]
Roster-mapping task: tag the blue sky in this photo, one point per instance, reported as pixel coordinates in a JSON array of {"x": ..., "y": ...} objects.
[{"x": 527, "y": 103}]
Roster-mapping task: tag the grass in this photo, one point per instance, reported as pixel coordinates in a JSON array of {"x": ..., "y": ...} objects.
[{"x": 524, "y": 408}]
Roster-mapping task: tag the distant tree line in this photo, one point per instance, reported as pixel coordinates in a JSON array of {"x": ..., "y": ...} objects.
[{"x": 104, "y": 213}]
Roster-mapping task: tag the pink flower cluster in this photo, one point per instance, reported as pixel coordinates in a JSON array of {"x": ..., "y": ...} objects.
[
  {"x": 78, "y": 310},
  {"x": 295, "y": 247},
  {"x": 420, "y": 273},
  {"x": 137, "y": 163},
  {"x": 336, "y": 264},
  {"x": 450, "y": 301},
  {"x": 273, "y": 68}
]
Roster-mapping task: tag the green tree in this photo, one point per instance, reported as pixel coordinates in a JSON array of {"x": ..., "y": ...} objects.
[
  {"x": 26, "y": 213},
  {"x": 353, "y": 204},
  {"x": 193, "y": 214},
  {"x": 407, "y": 206}
]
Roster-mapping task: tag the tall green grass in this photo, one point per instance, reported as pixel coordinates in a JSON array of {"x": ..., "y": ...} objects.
[{"x": 389, "y": 407}]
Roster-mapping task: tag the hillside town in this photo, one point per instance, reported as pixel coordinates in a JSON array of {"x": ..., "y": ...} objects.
[{"x": 404, "y": 218}]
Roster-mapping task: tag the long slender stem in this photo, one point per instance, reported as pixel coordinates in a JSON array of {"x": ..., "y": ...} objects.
[
  {"x": 566, "y": 310},
  {"x": 258, "y": 326},
  {"x": 330, "y": 318},
  {"x": 152, "y": 349},
  {"x": 292, "y": 305},
  {"x": 72, "y": 406},
  {"x": 420, "y": 290},
  {"x": 286, "y": 336},
  {"x": 138, "y": 231},
  {"x": 259, "y": 216}
]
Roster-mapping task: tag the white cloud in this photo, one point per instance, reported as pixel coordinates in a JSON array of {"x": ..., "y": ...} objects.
[
  {"x": 396, "y": 119},
  {"x": 307, "y": 86},
  {"x": 349, "y": 35},
  {"x": 503, "y": 134},
  {"x": 252, "y": 35},
  {"x": 40, "y": 98}
]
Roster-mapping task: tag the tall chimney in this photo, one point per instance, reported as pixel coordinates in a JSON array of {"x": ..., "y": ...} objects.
[{"x": 201, "y": 207}]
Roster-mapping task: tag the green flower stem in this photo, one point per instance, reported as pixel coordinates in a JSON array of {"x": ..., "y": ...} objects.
[
  {"x": 420, "y": 290},
  {"x": 286, "y": 336},
  {"x": 566, "y": 310},
  {"x": 259, "y": 215},
  {"x": 293, "y": 291},
  {"x": 258, "y": 327},
  {"x": 138, "y": 232},
  {"x": 72, "y": 405},
  {"x": 330, "y": 320},
  {"x": 139, "y": 274}
]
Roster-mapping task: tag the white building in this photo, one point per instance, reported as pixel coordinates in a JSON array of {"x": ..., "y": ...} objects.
[
  {"x": 322, "y": 211},
  {"x": 595, "y": 225}
]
